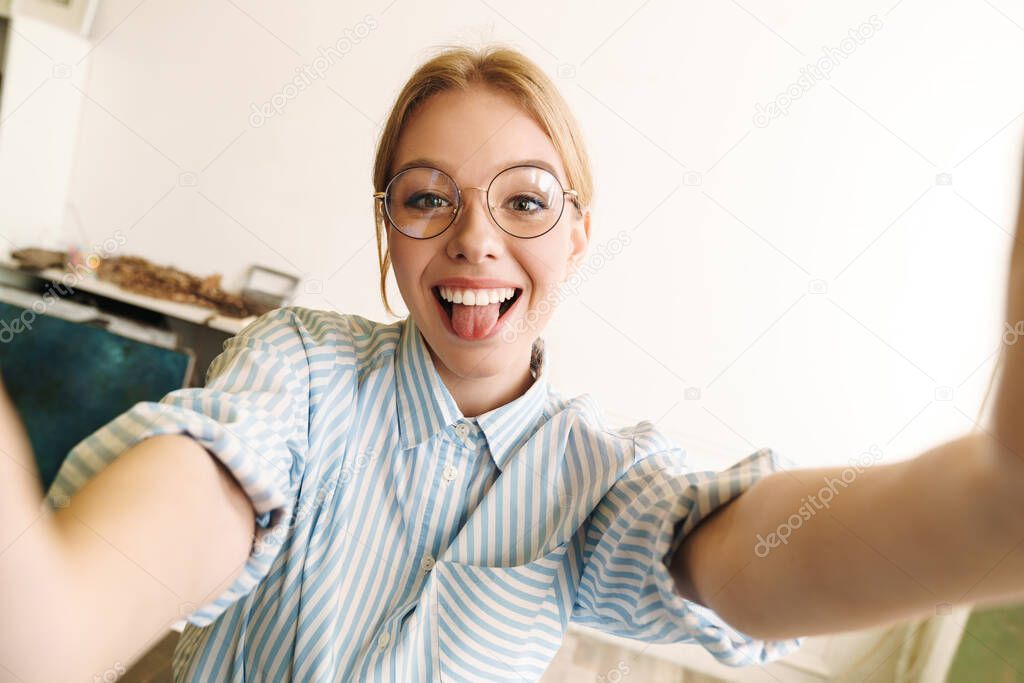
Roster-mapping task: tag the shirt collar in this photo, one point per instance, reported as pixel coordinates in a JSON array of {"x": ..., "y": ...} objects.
[
  {"x": 509, "y": 426},
  {"x": 425, "y": 406}
]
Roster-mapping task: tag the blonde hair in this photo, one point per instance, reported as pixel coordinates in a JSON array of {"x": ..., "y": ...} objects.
[{"x": 503, "y": 69}]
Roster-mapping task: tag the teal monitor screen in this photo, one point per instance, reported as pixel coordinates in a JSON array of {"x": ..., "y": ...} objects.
[{"x": 69, "y": 379}]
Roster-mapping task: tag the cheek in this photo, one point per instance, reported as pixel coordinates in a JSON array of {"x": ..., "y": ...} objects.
[
  {"x": 408, "y": 262},
  {"x": 547, "y": 270},
  {"x": 546, "y": 289}
]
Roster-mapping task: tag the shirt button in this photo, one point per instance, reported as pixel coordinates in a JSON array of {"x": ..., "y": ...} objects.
[
  {"x": 383, "y": 640},
  {"x": 462, "y": 429},
  {"x": 427, "y": 563},
  {"x": 450, "y": 472}
]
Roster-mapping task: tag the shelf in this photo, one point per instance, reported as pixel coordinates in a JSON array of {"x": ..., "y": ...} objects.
[{"x": 197, "y": 315}]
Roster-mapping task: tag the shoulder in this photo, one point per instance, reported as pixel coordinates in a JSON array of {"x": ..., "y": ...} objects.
[
  {"x": 585, "y": 415},
  {"x": 649, "y": 440},
  {"x": 319, "y": 325},
  {"x": 642, "y": 438},
  {"x": 320, "y": 335}
]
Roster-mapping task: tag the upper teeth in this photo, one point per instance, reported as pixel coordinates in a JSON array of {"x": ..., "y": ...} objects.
[{"x": 476, "y": 297}]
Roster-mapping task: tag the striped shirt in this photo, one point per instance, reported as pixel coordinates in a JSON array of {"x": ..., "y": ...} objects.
[{"x": 398, "y": 540}]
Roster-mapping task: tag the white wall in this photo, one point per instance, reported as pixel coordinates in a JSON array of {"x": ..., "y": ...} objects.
[
  {"x": 40, "y": 109},
  {"x": 809, "y": 277}
]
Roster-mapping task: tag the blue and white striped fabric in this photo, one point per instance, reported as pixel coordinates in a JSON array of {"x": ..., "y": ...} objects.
[{"x": 398, "y": 540}]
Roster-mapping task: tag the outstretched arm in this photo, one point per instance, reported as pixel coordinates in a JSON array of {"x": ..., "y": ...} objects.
[
  {"x": 166, "y": 505},
  {"x": 898, "y": 541},
  {"x": 894, "y": 543},
  {"x": 85, "y": 589}
]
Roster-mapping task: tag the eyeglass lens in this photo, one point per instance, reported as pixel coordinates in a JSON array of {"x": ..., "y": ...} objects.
[{"x": 525, "y": 201}]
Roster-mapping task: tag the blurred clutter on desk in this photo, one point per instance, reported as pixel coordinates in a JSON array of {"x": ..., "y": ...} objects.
[
  {"x": 103, "y": 333},
  {"x": 136, "y": 298}
]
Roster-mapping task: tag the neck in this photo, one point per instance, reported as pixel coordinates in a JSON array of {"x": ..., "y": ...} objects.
[{"x": 477, "y": 395}]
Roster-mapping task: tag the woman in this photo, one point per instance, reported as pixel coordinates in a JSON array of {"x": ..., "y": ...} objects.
[{"x": 413, "y": 501}]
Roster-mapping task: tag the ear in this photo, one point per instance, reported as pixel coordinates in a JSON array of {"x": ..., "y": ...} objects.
[{"x": 580, "y": 238}]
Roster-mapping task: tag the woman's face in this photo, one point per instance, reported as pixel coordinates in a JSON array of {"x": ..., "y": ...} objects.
[{"x": 472, "y": 136}]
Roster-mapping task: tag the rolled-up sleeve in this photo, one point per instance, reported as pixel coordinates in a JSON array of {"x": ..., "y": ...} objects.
[
  {"x": 626, "y": 588},
  {"x": 252, "y": 415}
]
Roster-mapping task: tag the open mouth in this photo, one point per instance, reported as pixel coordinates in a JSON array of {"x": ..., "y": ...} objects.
[
  {"x": 503, "y": 307},
  {"x": 474, "y": 321}
]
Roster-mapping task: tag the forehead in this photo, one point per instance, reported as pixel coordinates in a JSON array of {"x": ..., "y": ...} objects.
[{"x": 472, "y": 135}]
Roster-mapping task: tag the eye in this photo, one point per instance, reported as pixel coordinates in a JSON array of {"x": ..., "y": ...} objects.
[
  {"x": 524, "y": 203},
  {"x": 427, "y": 201}
]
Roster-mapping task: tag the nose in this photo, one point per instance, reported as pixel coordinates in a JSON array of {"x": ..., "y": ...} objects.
[{"x": 475, "y": 236}]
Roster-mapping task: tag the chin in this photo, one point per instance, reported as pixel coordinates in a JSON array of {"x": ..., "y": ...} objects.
[{"x": 472, "y": 363}]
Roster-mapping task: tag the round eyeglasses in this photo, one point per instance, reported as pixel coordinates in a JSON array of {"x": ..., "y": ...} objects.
[{"x": 524, "y": 201}]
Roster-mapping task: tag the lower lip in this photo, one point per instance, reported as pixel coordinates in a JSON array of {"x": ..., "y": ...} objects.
[{"x": 447, "y": 321}]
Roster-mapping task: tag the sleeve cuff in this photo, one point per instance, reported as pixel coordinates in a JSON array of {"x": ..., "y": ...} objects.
[
  {"x": 264, "y": 477},
  {"x": 711, "y": 490}
]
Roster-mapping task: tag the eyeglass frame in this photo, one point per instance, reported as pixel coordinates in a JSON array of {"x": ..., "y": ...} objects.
[{"x": 487, "y": 190}]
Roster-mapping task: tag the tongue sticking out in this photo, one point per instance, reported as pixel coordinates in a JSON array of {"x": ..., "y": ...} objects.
[{"x": 474, "y": 322}]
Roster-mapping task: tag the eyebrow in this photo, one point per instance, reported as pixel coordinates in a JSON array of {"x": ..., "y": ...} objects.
[{"x": 424, "y": 161}]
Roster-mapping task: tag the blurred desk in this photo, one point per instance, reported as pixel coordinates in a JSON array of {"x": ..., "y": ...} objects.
[
  {"x": 196, "y": 315},
  {"x": 87, "y": 300}
]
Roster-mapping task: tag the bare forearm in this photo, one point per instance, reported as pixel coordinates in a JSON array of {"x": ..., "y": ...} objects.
[
  {"x": 160, "y": 531},
  {"x": 20, "y": 492},
  {"x": 1008, "y": 407},
  {"x": 894, "y": 542}
]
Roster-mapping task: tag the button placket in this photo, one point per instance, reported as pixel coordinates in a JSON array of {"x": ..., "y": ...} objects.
[{"x": 462, "y": 429}]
